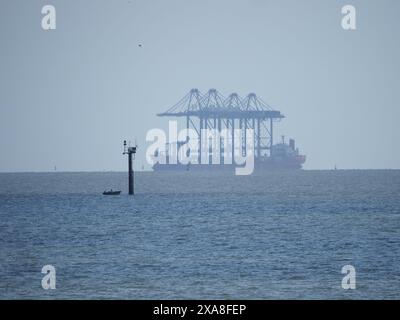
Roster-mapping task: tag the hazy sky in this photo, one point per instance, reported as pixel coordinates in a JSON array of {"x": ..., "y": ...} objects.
[{"x": 68, "y": 97}]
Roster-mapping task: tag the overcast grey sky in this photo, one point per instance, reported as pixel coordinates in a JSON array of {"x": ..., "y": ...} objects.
[{"x": 68, "y": 97}]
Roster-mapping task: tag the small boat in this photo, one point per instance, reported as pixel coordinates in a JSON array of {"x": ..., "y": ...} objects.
[{"x": 111, "y": 193}]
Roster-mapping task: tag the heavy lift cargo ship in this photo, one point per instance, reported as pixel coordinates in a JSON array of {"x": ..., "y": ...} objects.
[{"x": 215, "y": 112}]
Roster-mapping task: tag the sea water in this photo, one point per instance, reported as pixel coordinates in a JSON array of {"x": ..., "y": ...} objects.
[{"x": 277, "y": 235}]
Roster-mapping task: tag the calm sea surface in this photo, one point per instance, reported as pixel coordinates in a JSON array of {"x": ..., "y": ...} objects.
[{"x": 212, "y": 236}]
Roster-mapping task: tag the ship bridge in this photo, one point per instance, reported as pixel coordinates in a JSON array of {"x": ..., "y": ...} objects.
[{"x": 214, "y": 111}]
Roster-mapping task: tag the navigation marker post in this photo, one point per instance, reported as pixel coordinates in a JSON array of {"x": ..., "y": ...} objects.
[{"x": 130, "y": 151}]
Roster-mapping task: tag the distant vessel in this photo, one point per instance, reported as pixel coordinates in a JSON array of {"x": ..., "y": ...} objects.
[
  {"x": 212, "y": 111},
  {"x": 111, "y": 193}
]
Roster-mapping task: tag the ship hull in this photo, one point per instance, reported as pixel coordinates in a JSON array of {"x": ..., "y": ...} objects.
[{"x": 268, "y": 164}]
